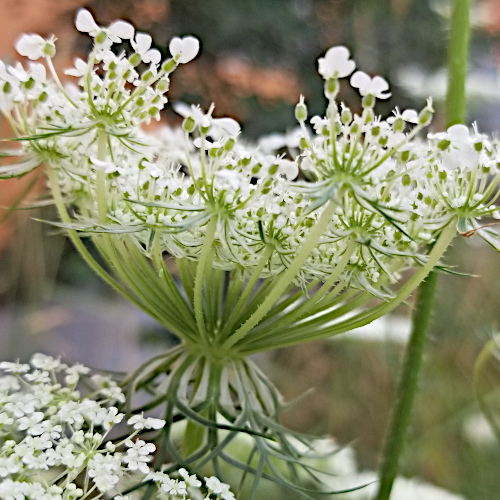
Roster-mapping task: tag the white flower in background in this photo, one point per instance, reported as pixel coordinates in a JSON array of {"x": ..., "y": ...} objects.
[
  {"x": 35, "y": 47},
  {"x": 478, "y": 431},
  {"x": 376, "y": 86},
  {"x": 336, "y": 63},
  {"x": 44, "y": 445},
  {"x": 138, "y": 455},
  {"x": 184, "y": 49}
]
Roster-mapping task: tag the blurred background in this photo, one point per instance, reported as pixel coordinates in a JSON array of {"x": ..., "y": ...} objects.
[{"x": 257, "y": 57}]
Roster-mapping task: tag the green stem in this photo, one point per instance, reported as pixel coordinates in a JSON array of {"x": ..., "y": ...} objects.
[
  {"x": 200, "y": 276},
  {"x": 77, "y": 242},
  {"x": 249, "y": 288},
  {"x": 407, "y": 386},
  {"x": 458, "y": 57},
  {"x": 455, "y": 113},
  {"x": 287, "y": 277}
]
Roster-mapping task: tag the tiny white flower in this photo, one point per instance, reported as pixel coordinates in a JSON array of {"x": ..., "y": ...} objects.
[
  {"x": 184, "y": 49},
  {"x": 142, "y": 45},
  {"x": 191, "y": 480},
  {"x": 336, "y": 63},
  {"x": 34, "y": 46},
  {"x": 376, "y": 86},
  {"x": 139, "y": 422},
  {"x": 117, "y": 31},
  {"x": 108, "y": 166},
  {"x": 80, "y": 68}
]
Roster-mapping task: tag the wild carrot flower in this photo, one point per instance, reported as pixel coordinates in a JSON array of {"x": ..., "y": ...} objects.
[{"x": 272, "y": 247}]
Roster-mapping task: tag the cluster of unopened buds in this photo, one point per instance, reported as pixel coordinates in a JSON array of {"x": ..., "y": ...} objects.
[{"x": 295, "y": 238}]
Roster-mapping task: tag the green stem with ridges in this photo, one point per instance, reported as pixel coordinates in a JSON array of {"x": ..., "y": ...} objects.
[
  {"x": 315, "y": 330},
  {"x": 310, "y": 302},
  {"x": 287, "y": 277},
  {"x": 407, "y": 388},
  {"x": 455, "y": 113},
  {"x": 248, "y": 290},
  {"x": 82, "y": 250},
  {"x": 200, "y": 277}
]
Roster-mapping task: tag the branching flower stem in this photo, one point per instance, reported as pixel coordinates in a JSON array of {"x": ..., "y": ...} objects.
[
  {"x": 201, "y": 271},
  {"x": 455, "y": 110},
  {"x": 282, "y": 284}
]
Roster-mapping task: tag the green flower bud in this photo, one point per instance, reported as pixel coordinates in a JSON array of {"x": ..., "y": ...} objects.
[
  {"x": 346, "y": 116},
  {"x": 273, "y": 169},
  {"x": 49, "y": 50},
  {"x": 169, "y": 65},
  {"x": 399, "y": 124},
  {"x": 368, "y": 101},
  {"x": 332, "y": 88},
  {"x": 147, "y": 77},
  {"x": 425, "y": 117},
  {"x": 135, "y": 59},
  {"x": 100, "y": 38},
  {"x": 188, "y": 124},
  {"x": 301, "y": 110},
  {"x": 163, "y": 84}
]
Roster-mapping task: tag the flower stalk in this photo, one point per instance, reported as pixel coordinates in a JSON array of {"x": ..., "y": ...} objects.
[{"x": 408, "y": 383}]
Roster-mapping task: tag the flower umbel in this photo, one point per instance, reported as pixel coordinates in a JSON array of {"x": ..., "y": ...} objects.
[{"x": 271, "y": 249}]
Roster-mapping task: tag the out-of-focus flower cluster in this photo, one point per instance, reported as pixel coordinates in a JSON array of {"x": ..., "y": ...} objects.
[{"x": 63, "y": 437}]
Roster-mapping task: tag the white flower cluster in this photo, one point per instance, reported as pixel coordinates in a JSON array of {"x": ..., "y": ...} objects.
[
  {"x": 58, "y": 444},
  {"x": 386, "y": 194}
]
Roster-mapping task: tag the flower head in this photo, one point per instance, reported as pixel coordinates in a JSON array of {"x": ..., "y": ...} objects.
[{"x": 336, "y": 63}]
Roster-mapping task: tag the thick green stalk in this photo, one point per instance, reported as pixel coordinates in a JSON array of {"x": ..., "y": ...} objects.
[
  {"x": 458, "y": 56},
  {"x": 455, "y": 113},
  {"x": 407, "y": 386}
]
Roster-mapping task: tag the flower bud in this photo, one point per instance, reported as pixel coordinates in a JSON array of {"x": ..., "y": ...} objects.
[
  {"x": 368, "y": 101},
  {"x": 332, "y": 88},
  {"x": 135, "y": 59},
  {"x": 346, "y": 116},
  {"x": 169, "y": 65},
  {"x": 301, "y": 110},
  {"x": 188, "y": 124},
  {"x": 100, "y": 38},
  {"x": 49, "y": 50},
  {"x": 163, "y": 84},
  {"x": 399, "y": 124},
  {"x": 147, "y": 77}
]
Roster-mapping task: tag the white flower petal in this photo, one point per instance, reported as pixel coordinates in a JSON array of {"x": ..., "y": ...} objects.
[
  {"x": 360, "y": 80},
  {"x": 378, "y": 85},
  {"x": 458, "y": 132},
  {"x": 31, "y": 46},
  {"x": 152, "y": 56},
  {"x": 85, "y": 23},
  {"x": 410, "y": 116},
  {"x": 232, "y": 127},
  {"x": 142, "y": 43},
  {"x": 122, "y": 29}
]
